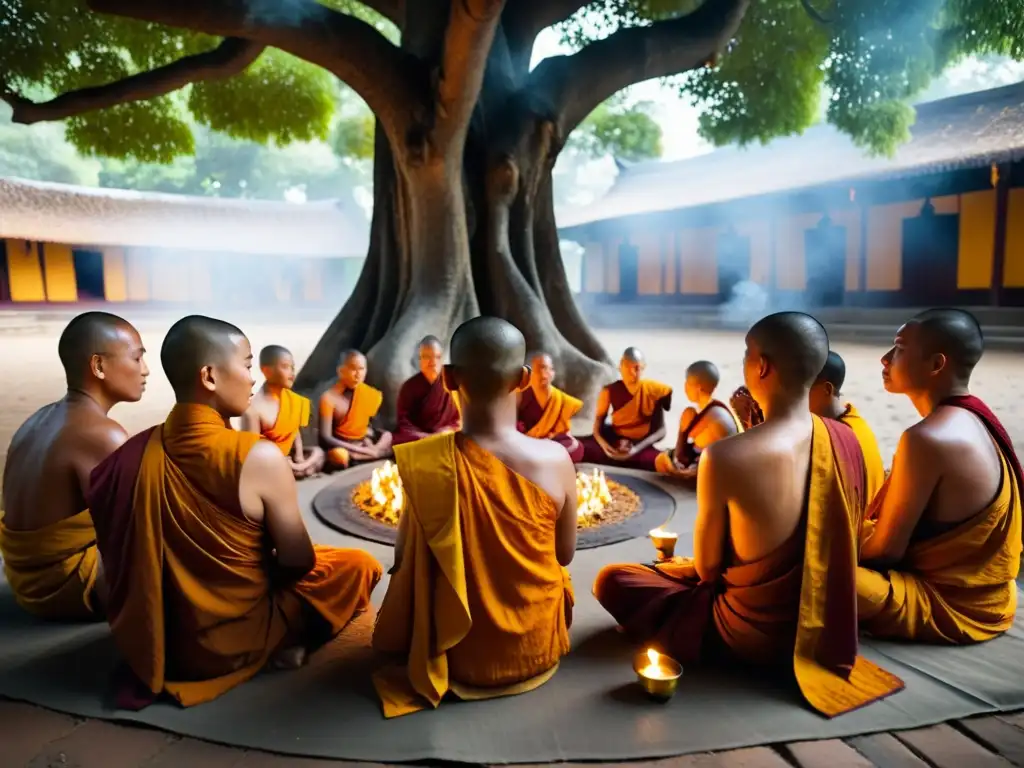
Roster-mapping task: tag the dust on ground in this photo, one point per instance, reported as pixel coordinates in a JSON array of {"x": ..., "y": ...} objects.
[{"x": 33, "y": 376}]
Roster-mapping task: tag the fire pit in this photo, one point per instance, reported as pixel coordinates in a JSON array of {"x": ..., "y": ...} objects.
[{"x": 367, "y": 501}]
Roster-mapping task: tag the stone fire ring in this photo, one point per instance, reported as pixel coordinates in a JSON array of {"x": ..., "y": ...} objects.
[{"x": 333, "y": 505}]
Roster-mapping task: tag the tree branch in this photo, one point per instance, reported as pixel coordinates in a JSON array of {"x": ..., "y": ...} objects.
[
  {"x": 528, "y": 18},
  {"x": 229, "y": 58},
  {"x": 344, "y": 45},
  {"x": 573, "y": 86},
  {"x": 392, "y": 10},
  {"x": 815, "y": 14}
]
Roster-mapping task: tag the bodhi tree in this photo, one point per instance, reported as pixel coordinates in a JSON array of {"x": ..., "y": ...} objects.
[{"x": 466, "y": 132}]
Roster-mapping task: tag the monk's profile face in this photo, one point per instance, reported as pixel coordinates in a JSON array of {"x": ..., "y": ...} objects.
[
  {"x": 231, "y": 379},
  {"x": 431, "y": 361},
  {"x": 908, "y": 367},
  {"x": 281, "y": 373},
  {"x": 543, "y": 372},
  {"x": 122, "y": 368},
  {"x": 352, "y": 372},
  {"x": 694, "y": 388},
  {"x": 755, "y": 370},
  {"x": 630, "y": 371}
]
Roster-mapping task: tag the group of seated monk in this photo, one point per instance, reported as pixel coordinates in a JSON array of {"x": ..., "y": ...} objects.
[{"x": 188, "y": 538}]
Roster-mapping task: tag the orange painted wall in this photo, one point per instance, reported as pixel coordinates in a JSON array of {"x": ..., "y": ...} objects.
[
  {"x": 648, "y": 268},
  {"x": 25, "y": 271},
  {"x": 115, "y": 274},
  {"x": 977, "y": 240},
  {"x": 59, "y": 273},
  {"x": 1013, "y": 267}
]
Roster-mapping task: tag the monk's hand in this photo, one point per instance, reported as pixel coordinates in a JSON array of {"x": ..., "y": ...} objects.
[{"x": 746, "y": 408}]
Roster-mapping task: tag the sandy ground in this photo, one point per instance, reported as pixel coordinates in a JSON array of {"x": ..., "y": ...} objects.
[{"x": 33, "y": 376}]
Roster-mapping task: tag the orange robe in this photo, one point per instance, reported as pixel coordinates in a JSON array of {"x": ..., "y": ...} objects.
[
  {"x": 957, "y": 585},
  {"x": 355, "y": 425},
  {"x": 553, "y": 421},
  {"x": 633, "y": 415},
  {"x": 869, "y": 445},
  {"x": 292, "y": 415},
  {"x": 196, "y": 606},
  {"x": 480, "y": 606},
  {"x": 665, "y": 461},
  {"x": 52, "y": 570},
  {"x": 795, "y": 606}
]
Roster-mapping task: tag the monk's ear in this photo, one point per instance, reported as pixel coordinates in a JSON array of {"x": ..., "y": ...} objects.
[
  {"x": 939, "y": 362},
  {"x": 524, "y": 379},
  {"x": 763, "y": 367},
  {"x": 450, "y": 379},
  {"x": 96, "y": 367},
  {"x": 206, "y": 378}
]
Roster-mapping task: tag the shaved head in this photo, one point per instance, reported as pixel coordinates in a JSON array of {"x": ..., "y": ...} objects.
[
  {"x": 954, "y": 333},
  {"x": 488, "y": 354},
  {"x": 795, "y": 344},
  {"x": 534, "y": 356},
  {"x": 834, "y": 371},
  {"x": 272, "y": 355},
  {"x": 89, "y": 334},
  {"x": 430, "y": 342},
  {"x": 634, "y": 355},
  {"x": 347, "y": 355},
  {"x": 705, "y": 372},
  {"x": 193, "y": 343}
]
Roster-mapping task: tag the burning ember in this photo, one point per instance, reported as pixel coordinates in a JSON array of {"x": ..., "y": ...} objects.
[{"x": 600, "y": 501}]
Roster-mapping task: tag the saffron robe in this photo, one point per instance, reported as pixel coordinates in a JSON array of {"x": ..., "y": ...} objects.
[
  {"x": 793, "y": 608},
  {"x": 480, "y": 606},
  {"x": 355, "y": 425},
  {"x": 292, "y": 415},
  {"x": 424, "y": 407},
  {"x": 665, "y": 461},
  {"x": 195, "y": 608},
  {"x": 632, "y": 417},
  {"x": 958, "y": 586},
  {"x": 553, "y": 421},
  {"x": 52, "y": 570},
  {"x": 869, "y": 445}
]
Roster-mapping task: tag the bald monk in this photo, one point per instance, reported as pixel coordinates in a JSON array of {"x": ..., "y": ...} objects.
[
  {"x": 700, "y": 426},
  {"x": 424, "y": 406},
  {"x": 346, "y": 416},
  {"x": 211, "y": 570},
  {"x": 941, "y": 551},
  {"x": 546, "y": 412},
  {"x": 479, "y": 602},
  {"x": 638, "y": 407},
  {"x": 46, "y": 533},
  {"x": 826, "y": 401},
  {"x": 778, "y": 507},
  {"x": 278, "y": 414}
]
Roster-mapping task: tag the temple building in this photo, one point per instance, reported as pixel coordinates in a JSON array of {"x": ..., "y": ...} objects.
[
  {"x": 67, "y": 244},
  {"x": 817, "y": 222}
]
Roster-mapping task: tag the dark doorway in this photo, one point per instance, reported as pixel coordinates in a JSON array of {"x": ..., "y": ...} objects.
[
  {"x": 733, "y": 259},
  {"x": 89, "y": 275},
  {"x": 931, "y": 248},
  {"x": 5, "y": 274},
  {"x": 629, "y": 262},
  {"x": 825, "y": 264}
]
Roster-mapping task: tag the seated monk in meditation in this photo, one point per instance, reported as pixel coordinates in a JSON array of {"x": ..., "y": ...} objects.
[
  {"x": 479, "y": 602},
  {"x": 941, "y": 549},
  {"x": 346, "y": 413},
  {"x": 772, "y": 580},
  {"x": 47, "y": 537},
  {"x": 211, "y": 570},
  {"x": 278, "y": 414},
  {"x": 424, "y": 406},
  {"x": 545, "y": 412},
  {"x": 699, "y": 426},
  {"x": 638, "y": 409},
  {"x": 827, "y": 402}
]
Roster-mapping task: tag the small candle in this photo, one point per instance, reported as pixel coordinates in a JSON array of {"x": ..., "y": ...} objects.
[{"x": 659, "y": 676}]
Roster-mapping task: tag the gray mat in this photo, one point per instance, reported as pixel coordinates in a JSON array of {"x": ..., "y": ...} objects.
[
  {"x": 591, "y": 710},
  {"x": 334, "y": 507}
]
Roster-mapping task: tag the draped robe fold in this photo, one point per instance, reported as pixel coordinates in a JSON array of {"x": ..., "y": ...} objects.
[
  {"x": 354, "y": 426},
  {"x": 665, "y": 461},
  {"x": 632, "y": 419},
  {"x": 796, "y": 607},
  {"x": 551, "y": 422},
  {"x": 479, "y": 606},
  {"x": 424, "y": 408},
  {"x": 196, "y": 606},
  {"x": 292, "y": 415},
  {"x": 959, "y": 585},
  {"x": 869, "y": 446},
  {"x": 52, "y": 570}
]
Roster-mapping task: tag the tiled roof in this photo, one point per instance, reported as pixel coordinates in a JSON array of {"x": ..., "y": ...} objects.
[
  {"x": 971, "y": 130},
  {"x": 62, "y": 213}
]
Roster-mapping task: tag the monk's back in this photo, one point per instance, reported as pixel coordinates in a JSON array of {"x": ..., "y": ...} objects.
[
  {"x": 41, "y": 479},
  {"x": 536, "y": 460},
  {"x": 767, "y": 469}
]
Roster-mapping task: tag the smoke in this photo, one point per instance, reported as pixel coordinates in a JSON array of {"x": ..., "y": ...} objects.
[{"x": 747, "y": 303}]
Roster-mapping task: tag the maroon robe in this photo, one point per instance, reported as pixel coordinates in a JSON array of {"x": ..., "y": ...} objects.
[
  {"x": 618, "y": 396},
  {"x": 529, "y": 414},
  {"x": 423, "y": 409}
]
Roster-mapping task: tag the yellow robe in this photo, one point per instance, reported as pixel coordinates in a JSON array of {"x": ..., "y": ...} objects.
[
  {"x": 633, "y": 420},
  {"x": 356, "y": 423},
  {"x": 52, "y": 571},
  {"x": 957, "y": 587},
  {"x": 480, "y": 606},
  {"x": 869, "y": 445},
  {"x": 292, "y": 415},
  {"x": 556, "y": 418}
]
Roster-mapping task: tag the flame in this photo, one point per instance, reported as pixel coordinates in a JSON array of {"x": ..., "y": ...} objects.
[
  {"x": 382, "y": 496},
  {"x": 652, "y": 656},
  {"x": 592, "y": 493}
]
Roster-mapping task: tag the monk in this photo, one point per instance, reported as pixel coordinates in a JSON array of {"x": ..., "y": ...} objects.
[
  {"x": 479, "y": 602},
  {"x": 638, "y": 409},
  {"x": 424, "y": 406},
  {"x": 544, "y": 411},
  {"x": 941, "y": 549},
  {"x": 772, "y": 580},
  {"x": 707, "y": 421},
  {"x": 278, "y": 414},
  {"x": 826, "y": 401},
  {"x": 346, "y": 414},
  {"x": 47, "y": 537},
  {"x": 211, "y": 570}
]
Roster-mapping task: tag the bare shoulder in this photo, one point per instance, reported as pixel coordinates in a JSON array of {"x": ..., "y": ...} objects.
[
  {"x": 723, "y": 419},
  {"x": 926, "y": 435},
  {"x": 265, "y": 456},
  {"x": 545, "y": 452},
  {"x": 96, "y": 433}
]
